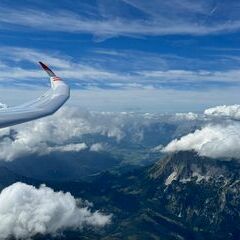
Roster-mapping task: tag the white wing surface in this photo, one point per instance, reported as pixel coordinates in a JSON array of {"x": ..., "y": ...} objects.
[{"x": 45, "y": 105}]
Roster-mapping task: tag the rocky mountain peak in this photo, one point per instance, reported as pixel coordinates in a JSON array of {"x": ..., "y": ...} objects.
[{"x": 189, "y": 166}]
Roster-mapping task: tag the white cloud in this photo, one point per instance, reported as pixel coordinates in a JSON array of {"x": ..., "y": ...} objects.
[
  {"x": 65, "y": 66},
  {"x": 216, "y": 141},
  {"x": 156, "y": 18},
  {"x": 46, "y": 135},
  {"x": 187, "y": 116},
  {"x": 232, "y": 111},
  {"x": 3, "y": 105},
  {"x": 93, "y": 72},
  {"x": 26, "y": 211},
  {"x": 61, "y": 132},
  {"x": 78, "y": 147},
  {"x": 157, "y": 148},
  {"x": 66, "y": 131},
  {"x": 97, "y": 147},
  {"x": 192, "y": 76},
  {"x": 18, "y": 54}
]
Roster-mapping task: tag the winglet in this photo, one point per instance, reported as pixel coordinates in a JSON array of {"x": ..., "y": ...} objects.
[{"x": 47, "y": 70}]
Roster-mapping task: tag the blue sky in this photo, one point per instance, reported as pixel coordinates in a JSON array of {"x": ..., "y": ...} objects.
[{"x": 124, "y": 55}]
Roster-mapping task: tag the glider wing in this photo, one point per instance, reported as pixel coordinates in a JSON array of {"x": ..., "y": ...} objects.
[{"x": 45, "y": 105}]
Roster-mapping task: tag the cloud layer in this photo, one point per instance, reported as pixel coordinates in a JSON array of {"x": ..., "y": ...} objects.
[
  {"x": 110, "y": 86},
  {"x": 75, "y": 130},
  {"x": 150, "y": 18},
  {"x": 62, "y": 132},
  {"x": 99, "y": 69},
  {"x": 26, "y": 211}
]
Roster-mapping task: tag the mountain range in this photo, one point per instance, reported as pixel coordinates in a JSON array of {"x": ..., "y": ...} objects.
[{"x": 182, "y": 196}]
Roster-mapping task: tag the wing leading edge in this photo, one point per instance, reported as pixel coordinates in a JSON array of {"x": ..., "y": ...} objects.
[{"x": 45, "y": 105}]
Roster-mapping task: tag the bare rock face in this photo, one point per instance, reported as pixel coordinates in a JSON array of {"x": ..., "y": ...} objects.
[{"x": 199, "y": 192}]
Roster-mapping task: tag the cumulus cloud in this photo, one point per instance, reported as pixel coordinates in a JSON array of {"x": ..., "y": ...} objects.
[
  {"x": 218, "y": 138},
  {"x": 78, "y": 147},
  {"x": 216, "y": 141},
  {"x": 62, "y": 132},
  {"x": 74, "y": 130},
  {"x": 232, "y": 111},
  {"x": 187, "y": 116},
  {"x": 97, "y": 147},
  {"x": 46, "y": 135},
  {"x": 69, "y": 130},
  {"x": 26, "y": 211}
]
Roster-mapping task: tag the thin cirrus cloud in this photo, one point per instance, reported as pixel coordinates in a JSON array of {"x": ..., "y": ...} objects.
[
  {"x": 26, "y": 211},
  {"x": 99, "y": 85},
  {"x": 12, "y": 57},
  {"x": 163, "y": 73},
  {"x": 151, "y": 18}
]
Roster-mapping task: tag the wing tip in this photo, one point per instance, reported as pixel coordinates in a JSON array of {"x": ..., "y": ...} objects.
[
  {"x": 44, "y": 66},
  {"x": 47, "y": 69}
]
